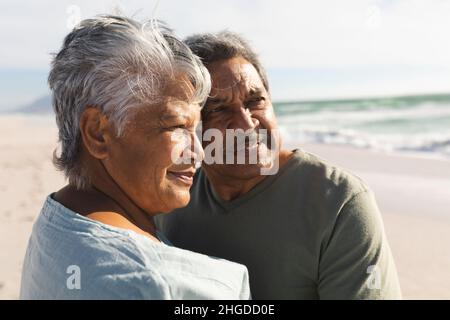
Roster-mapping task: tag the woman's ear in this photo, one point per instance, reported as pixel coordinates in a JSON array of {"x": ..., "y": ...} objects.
[{"x": 95, "y": 132}]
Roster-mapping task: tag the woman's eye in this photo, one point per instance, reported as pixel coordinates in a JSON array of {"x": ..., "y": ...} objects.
[{"x": 179, "y": 126}]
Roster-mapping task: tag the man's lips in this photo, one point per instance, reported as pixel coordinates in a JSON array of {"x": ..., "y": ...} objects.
[{"x": 186, "y": 177}]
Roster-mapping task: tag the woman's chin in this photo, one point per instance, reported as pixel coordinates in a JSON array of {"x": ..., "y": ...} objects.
[
  {"x": 174, "y": 195},
  {"x": 180, "y": 200}
]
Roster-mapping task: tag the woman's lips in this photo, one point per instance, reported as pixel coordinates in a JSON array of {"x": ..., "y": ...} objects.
[{"x": 186, "y": 177}]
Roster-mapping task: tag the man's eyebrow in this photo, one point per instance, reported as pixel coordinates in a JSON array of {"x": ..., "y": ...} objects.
[
  {"x": 213, "y": 100},
  {"x": 255, "y": 92}
]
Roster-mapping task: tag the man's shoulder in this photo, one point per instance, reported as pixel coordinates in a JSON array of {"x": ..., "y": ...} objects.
[{"x": 316, "y": 173}]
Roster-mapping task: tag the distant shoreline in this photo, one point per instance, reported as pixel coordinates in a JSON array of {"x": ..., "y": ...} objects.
[
  {"x": 445, "y": 95},
  {"x": 44, "y": 101}
]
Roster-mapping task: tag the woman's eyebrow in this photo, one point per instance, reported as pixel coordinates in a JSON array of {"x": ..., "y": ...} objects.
[{"x": 167, "y": 117}]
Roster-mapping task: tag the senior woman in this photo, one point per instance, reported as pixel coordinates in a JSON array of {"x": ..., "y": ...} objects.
[{"x": 121, "y": 90}]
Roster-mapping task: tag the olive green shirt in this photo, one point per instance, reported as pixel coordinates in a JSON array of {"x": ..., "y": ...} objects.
[{"x": 312, "y": 231}]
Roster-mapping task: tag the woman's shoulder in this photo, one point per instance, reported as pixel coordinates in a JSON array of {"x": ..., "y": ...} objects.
[
  {"x": 113, "y": 259},
  {"x": 62, "y": 229}
]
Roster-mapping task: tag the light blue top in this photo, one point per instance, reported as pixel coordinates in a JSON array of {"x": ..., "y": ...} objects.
[{"x": 70, "y": 256}]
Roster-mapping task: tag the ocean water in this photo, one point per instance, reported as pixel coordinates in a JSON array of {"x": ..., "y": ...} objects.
[{"x": 412, "y": 124}]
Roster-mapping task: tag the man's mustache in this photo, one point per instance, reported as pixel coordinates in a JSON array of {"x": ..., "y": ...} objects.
[{"x": 245, "y": 141}]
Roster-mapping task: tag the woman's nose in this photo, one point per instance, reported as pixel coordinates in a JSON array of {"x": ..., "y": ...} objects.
[
  {"x": 195, "y": 152},
  {"x": 198, "y": 149}
]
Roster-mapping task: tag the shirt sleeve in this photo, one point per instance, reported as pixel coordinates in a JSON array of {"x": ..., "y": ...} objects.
[
  {"x": 139, "y": 285},
  {"x": 355, "y": 260}
]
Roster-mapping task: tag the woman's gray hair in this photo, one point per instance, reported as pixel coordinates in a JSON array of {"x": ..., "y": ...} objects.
[
  {"x": 117, "y": 65},
  {"x": 212, "y": 47}
]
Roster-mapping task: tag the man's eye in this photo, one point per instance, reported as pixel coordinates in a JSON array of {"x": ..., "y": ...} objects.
[
  {"x": 217, "y": 109},
  {"x": 255, "y": 102}
]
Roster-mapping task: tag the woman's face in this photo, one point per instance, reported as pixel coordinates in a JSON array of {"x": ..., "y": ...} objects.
[{"x": 141, "y": 161}]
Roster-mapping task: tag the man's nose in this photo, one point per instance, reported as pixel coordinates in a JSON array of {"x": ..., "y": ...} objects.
[{"x": 242, "y": 119}]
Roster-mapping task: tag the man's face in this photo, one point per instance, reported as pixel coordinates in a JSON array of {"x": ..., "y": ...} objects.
[{"x": 238, "y": 100}]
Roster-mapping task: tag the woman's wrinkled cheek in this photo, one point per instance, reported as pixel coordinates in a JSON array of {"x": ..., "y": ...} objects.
[{"x": 179, "y": 142}]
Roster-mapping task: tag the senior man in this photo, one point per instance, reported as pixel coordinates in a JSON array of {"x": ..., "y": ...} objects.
[{"x": 309, "y": 230}]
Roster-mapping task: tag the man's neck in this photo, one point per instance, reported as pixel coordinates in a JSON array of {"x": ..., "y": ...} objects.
[{"x": 229, "y": 188}]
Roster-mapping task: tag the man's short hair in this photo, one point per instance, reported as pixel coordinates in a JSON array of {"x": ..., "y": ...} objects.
[{"x": 224, "y": 45}]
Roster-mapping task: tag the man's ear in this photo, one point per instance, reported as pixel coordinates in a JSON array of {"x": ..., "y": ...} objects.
[{"x": 95, "y": 132}]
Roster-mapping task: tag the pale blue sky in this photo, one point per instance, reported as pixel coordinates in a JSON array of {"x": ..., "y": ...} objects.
[{"x": 311, "y": 49}]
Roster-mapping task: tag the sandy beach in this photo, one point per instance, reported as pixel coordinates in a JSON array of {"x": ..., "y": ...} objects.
[{"x": 413, "y": 195}]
